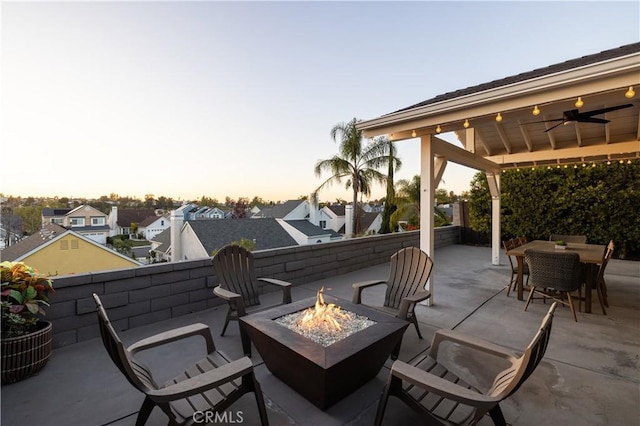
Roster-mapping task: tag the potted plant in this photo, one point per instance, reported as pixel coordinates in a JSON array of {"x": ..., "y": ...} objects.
[
  {"x": 561, "y": 245},
  {"x": 25, "y": 339}
]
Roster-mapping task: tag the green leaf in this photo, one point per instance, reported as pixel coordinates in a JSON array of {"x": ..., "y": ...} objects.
[
  {"x": 16, "y": 295},
  {"x": 32, "y": 307},
  {"x": 30, "y": 293}
]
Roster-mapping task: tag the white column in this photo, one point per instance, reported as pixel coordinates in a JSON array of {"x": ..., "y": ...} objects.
[
  {"x": 427, "y": 205},
  {"x": 313, "y": 208},
  {"x": 348, "y": 221},
  {"x": 494, "y": 188},
  {"x": 177, "y": 220}
]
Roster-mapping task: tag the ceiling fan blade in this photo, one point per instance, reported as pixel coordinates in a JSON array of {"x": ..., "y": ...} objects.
[
  {"x": 545, "y": 121},
  {"x": 592, "y": 120},
  {"x": 553, "y": 127},
  {"x": 603, "y": 110}
]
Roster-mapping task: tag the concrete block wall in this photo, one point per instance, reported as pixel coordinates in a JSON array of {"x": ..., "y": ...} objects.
[{"x": 147, "y": 294}]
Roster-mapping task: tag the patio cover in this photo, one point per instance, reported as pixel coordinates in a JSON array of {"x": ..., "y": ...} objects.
[{"x": 600, "y": 80}]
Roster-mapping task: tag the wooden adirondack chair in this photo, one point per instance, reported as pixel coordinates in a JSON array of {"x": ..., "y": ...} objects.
[
  {"x": 443, "y": 397},
  {"x": 410, "y": 269},
  {"x": 210, "y": 386}
]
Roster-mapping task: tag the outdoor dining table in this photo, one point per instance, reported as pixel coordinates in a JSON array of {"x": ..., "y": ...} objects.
[{"x": 590, "y": 255}]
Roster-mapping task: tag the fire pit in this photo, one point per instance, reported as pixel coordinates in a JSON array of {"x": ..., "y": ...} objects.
[{"x": 324, "y": 373}]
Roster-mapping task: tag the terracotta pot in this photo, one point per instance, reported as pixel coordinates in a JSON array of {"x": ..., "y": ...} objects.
[{"x": 25, "y": 355}]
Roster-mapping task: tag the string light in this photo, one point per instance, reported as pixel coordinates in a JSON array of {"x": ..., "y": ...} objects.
[
  {"x": 413, "y": 134},
  {"x": 466, "y": 124},
  {"x": 438, "y": 129},
  {"x": 498, "y": 118},
  {"x": 536, "y": 110},
  {"x": 579, "y": 102},
  {"x": 628, "y": 161},
  {"x": 630, "y": 93}
]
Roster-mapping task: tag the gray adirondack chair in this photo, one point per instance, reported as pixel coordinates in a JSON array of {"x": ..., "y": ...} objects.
[
  {"x": 211, "y": 385},
  {"x": 409, "y": 272}
]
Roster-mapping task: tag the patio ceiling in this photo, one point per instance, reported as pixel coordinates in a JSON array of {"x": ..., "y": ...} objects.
[{"x": 519, "y": 139}]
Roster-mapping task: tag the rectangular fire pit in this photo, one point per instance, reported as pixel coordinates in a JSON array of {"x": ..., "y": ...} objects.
[{"x": 323, "y": 375}]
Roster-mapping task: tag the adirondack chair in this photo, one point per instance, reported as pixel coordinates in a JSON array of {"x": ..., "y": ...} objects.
[
  {"x": 210, "y": 386},
  {"x": 240, "y": 287},
  {"x": 410, "y": 269},
  {"x": 443, "y": 397}
]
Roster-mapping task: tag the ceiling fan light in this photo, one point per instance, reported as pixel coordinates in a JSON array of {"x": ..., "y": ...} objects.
[
  {"x": 579, "y": 102},
  {"x": 630, "y": 93},
  {"x": 536, "y": 110}
]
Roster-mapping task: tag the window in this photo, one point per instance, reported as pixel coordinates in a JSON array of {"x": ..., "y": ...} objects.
[
  {"x": 64, "y": 245},
  {"x": 162, "y": 223},
  {"x": 75, "y": 244},
  {"x": 57, "y": 220},
  {"x": 76, "y": 221},
  {"x": 97, "y": 221},
  {"x": 323, "y": 224}
]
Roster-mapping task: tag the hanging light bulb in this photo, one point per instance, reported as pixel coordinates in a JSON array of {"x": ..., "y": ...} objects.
[
  {"x": 498, "y": 118},
  {"x": 630, "y": 93},
  {"x": 579, "y": 102},
  {"x": 608, "y": 163},
  {"x": 593, "y": 165},
  {"x": 438, "y": 129},
  {"x": 584, "y": 165},
  {"x": 621, "y": 161},
  {"x": 575, "y": 166},
  {"x": 413, "y": 134},
  {"x": 628, "y": 161},
  {"x": 536, "y": 110},
  {"x": 548, "y": 167},
  {"x": 466, "y": 124}
]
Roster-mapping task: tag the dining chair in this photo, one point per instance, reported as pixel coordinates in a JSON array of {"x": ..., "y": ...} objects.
[
  {"x": 211, "y": 385},
  {"x": 554, "y": 276},
  {"x": 441, "y": 396},
  {"x": 582, "y": 239},
  {"x": 601, "y": 285},
  {"x": 409, "y": 271},
  {"x": 513, "y": 281}
]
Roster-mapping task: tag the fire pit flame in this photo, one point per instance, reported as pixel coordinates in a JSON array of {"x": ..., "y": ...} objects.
[{"x": 322, "y": 315}]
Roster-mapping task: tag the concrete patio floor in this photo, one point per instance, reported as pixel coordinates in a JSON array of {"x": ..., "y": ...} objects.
[{"x": 589, "y": 376}]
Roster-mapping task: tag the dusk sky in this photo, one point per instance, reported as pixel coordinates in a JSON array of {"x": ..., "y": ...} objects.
[{"x": 185, "y": 99}]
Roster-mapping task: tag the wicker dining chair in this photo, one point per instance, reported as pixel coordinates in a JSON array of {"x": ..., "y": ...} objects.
[
  {"x": 211, "y": 385},
  {"x": 582, "y": 239},
  {"x": 554, "y": 276},
  {"x": 441, "y": 396}
]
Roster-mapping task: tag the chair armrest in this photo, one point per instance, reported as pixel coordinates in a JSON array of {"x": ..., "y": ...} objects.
[
  {"x": 441, "y": 387},
  {"x": 410, "y": 301},
  {"x": 470, "y": 342},
  {"x": 285, "y": 286},
  {"x": 358, "y": 287},
  {"x": 203, "y": 382},
  {"x": 197, "y": 329},
  {"x": 234, "y": 299}
]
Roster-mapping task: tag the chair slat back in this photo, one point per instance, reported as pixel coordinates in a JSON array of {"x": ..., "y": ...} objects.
[
  {"x": 509, "y": 380},
  {"x": 605, "y": 260},
  {"x": 235, "y": 270},
  {"x": 136, "y": 373},
  {"x": 561, "y": 271},
  {"x": 410, "y": 269},
  {"x": 508, "y": 245}
]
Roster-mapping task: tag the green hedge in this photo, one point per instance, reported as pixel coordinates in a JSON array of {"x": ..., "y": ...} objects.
[{"x": 601, "y": 202}]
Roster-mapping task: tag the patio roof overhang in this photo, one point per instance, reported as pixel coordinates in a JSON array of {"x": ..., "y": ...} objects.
[{"x": 520, "y": 140}]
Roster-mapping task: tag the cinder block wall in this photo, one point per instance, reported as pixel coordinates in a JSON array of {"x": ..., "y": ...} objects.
[{"x": 151, "y": 293}]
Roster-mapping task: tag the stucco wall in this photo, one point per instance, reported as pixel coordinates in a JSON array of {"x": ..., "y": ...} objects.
[{"x": 147, "y": 294}]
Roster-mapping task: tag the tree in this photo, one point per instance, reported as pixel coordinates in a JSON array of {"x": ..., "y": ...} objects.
[
  {"x": 408, "y": 200},
  {"x": 390, "y": 205},
  {"x": 356, "y": 161}
]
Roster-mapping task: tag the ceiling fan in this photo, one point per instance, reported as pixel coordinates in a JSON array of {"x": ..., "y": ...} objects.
[{"x": 573, "y": 115}]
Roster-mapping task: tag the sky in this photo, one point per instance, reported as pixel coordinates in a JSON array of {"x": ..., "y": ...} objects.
[{"x": 217, "y": 99}]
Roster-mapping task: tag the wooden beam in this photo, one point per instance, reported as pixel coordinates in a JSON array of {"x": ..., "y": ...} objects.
[
  {"x": 525, "y": 135},
  {"x": 460, "y": 156},
  {"x": 578, "y": 136},
  {"x": 576, "y": 152},
  {"x": 503, "y": 137}
]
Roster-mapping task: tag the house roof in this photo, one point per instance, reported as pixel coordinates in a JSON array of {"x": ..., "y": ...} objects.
[
  {"x": 32, "y": 242},
  {"x": 216, "y": 233},
  {"x": 163, "y": 239},
  {"x": 128, "y": 216},
  {"x": 279, "y": 211},
  {"x": 338, "y": 209},
  {"x": 311, "y": 230},
  {"x": 367, "y": 218},
  {"x": 47, "y": 211},
  {"x": 529, "y": 104},
  {"x": 151, "y": 219},
  {"x": 529, "y": 75}
]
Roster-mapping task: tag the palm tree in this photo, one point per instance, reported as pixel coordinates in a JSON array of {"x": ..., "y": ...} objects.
[
  {"x": 408, "y": 200},
  {"x": 390, "y": 205},
  {"x": 357, "y": 162}
]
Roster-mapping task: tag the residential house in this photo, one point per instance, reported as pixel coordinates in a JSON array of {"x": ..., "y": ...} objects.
[
  {"x": 89, "y": 222},
  {"x": 289, "y": 210},
  {"x": 120, "y": 220},
  {"x": 212, "y": 213},
  {"x": 304, "y": 232},
  {"x": 56, "y": 250},
  {"x": 370, "y": 222},
  {"x": 50, "y": 215},
  {"x": 153, "y": 225},
  {"x": 332, "y": 217}
]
